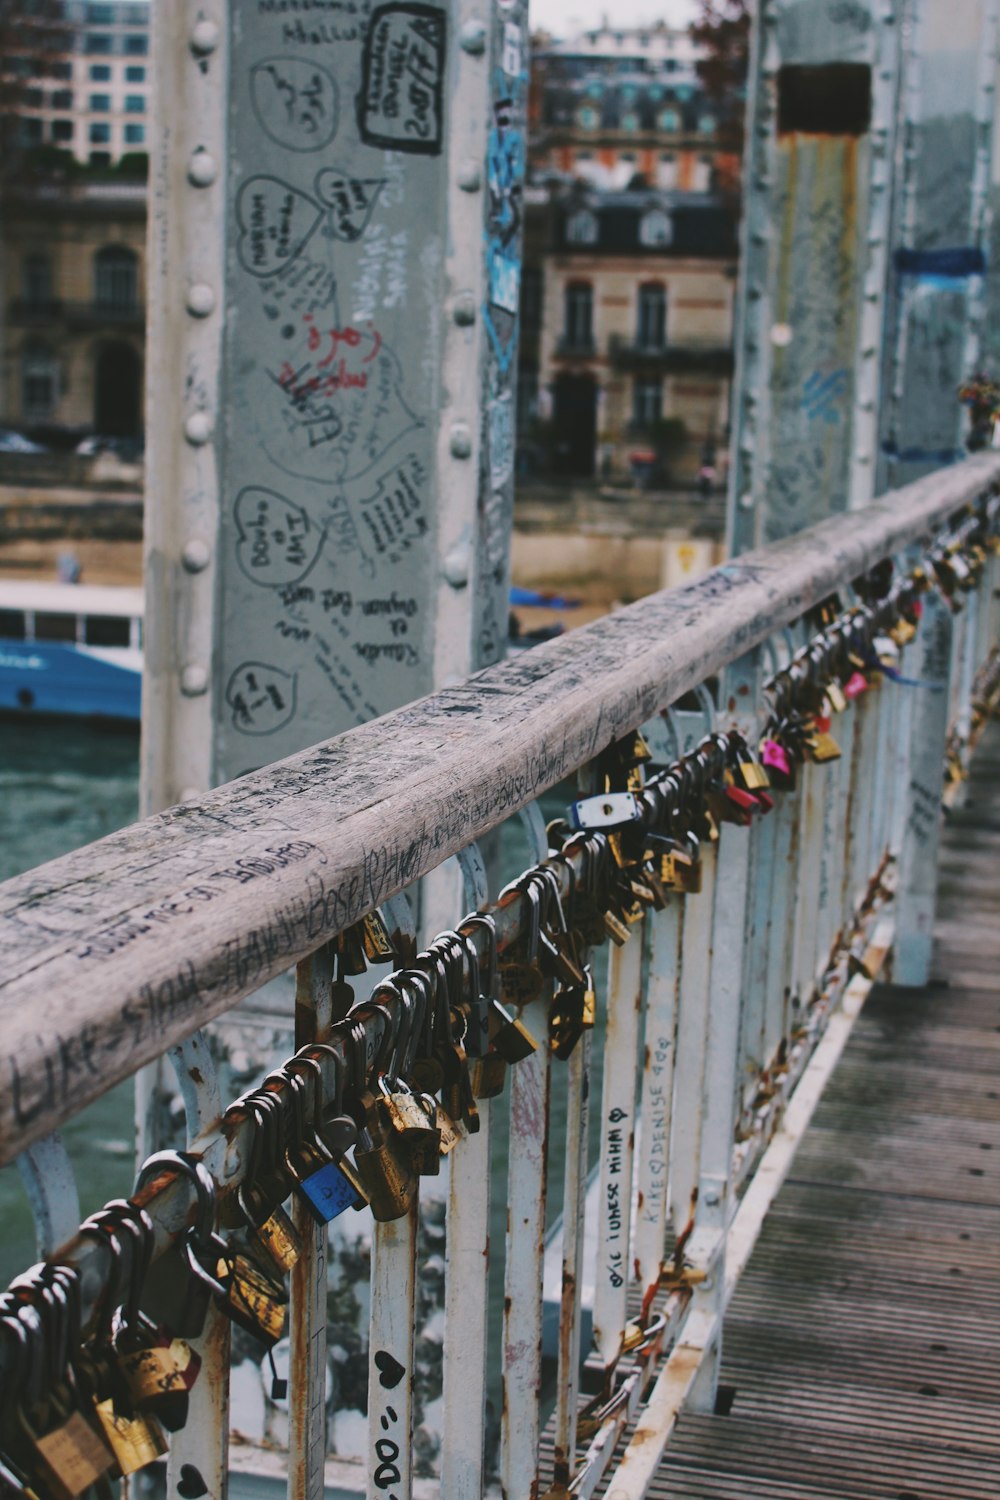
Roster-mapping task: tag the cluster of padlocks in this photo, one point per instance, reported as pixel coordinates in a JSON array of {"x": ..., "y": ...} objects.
[{"x": 92, "y": 1383}]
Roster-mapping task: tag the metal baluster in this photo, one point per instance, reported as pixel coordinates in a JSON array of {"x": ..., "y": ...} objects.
[
  {"x": 204, "y": 1450},
  {"x": 780, "y": 935},
  {"x": 719, "y": 1093},
  {"x": 390, "y": 1358},
  {"x": 522, "y": 1320},
  {"x": 662, "y": 935},
  {"x": 570, "y": 1306},
  {"x": 845, "y": 726},
  {"x": 618, "y": 1111},
  {"x": 467, "y": 1251},
  {"x": 755, "y": 1049},
  {"x": 307, "y": 1318},
  {"x": 917, "y": 885},
  {"x": 696, "y": 939},
  {"x": 49, "y": 1181}
]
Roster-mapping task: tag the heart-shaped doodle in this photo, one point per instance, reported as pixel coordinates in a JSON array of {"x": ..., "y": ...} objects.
[
  {"x": 390, "y": 1371},
  {"x": 351, "y": 201},
  {"x": 262, "y": 697},
  {"x": 275, "y": 222},
  {"x": 191, "y": 1484},
  {"x": 278, "y": 541},
  {"x": 295, "y": 101}
]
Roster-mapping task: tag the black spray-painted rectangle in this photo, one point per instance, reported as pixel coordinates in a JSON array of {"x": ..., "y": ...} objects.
[{"x": 402, "y": 72}]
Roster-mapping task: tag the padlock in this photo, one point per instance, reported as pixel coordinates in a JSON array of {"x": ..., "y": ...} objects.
[
  {"x": 136, "y": 1441},
  {"x": 252, "y": 1299},
  {"x": 387, "y": 1175},
  {"x": 414, "y": 1118},
  {"x": 489, "y": 1075},
  {"x": 509, "y": 1036},
  {"x": 70, "y": 1456},
  {"x": 179, "y": 1291}
]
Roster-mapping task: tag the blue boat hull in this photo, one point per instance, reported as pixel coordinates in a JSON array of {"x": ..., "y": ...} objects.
[{"x": 47, "y": 677}]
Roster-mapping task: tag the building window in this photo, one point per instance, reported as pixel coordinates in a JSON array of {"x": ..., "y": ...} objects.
[
  {"x": 647, "y": 402},
  {"x": 137, "y": 46},
  {"x": 39, "y": 383},
  {"x": 116, "y": 278},
  {"x": 135, "y": 135},
  {"x": 100, "y": 72},
  {"x": 630, "y": 122},
  {"x": 135, "y": 75},
  {"x": 581, "y": 228},
  {"x": 61, "y": 70},
  {"x": 706, "y": 124},
  {"x": 701, "y": 178},
  {"x": 37, "y": 280},
  {"x": 669, "y": 119},
  {"x": 62, "y": 130},
  {"x": 588, "y": 117},
  {"x": 578, "y": 303},
  {"x": 531, "y": 298},
  {"x": 100, "y": 158},
  {"x": 33, "y": 98},
  {"x": 31, "y": 130},
  {"x": 62, "y": 99},
  {"x": 655, "y": 229},
  {"x": 100, "y": 135},
  {"x": 100, "y": 103},
  {"x": 666, "y": 170},
  {"x": 135, "y": 104},
  {"x": 95, "y": 44},
  {"x": 651, "y": 323},
  {"x": 101, "y": 15}
]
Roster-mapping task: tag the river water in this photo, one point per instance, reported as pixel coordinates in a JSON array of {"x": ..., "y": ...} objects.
[{"x": 62, "y": 784}]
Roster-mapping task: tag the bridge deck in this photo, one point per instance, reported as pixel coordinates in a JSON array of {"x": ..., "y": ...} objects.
[{"x": 862, "y": 1348}]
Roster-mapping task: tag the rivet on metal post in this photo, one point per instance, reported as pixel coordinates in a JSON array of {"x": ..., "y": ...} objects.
[
  {"x": 198, "y": 428},
  {"x": 194, "y": 682},
  {"x": 200, "y": 300},
  {"x": 202, "y": 169},
  {"x": 464, "y": 309},
  {"x": 196, "y": 555},
  {"x": 204, "y": 37},
  {"x": 472, "y": 38},
  {"x": 469, "y": 177},
  {"x": 456, "y": 566},
  {"x": 460, "y": 441}
]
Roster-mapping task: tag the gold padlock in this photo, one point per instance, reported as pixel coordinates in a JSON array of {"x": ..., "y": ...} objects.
[
  {"x": 71, "y": 1456},
  {"x": 414, "y": 1117},
  {"x": 135, "y": 1441},
  {"x": 252, "y": 1299},
  {"x": 386, "y": 1173}
]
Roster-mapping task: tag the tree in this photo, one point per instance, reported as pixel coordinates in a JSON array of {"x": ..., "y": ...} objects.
[{"x": 722, "y": 31}]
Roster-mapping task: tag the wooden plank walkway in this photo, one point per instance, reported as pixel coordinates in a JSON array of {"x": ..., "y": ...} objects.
[{"x": 862, "y": 1348}]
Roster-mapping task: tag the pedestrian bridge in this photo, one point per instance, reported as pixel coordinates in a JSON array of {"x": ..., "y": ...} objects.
[{"x": 722, "y": 1009}]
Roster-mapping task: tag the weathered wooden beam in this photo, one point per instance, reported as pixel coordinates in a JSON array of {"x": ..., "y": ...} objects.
[{"x": 121, "y": 949}]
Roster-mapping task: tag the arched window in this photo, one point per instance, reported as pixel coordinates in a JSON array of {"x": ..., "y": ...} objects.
[
  {"x": 578, "y": 304},
  {"x": 655, "y": 228},
  {"x": 39, "y": 382},
  {"x": 651, "y": 323},
  {"x": 669, "y": 119},
  {"x": 116, "y": 278},
  {"x": 37, "y": 280},
  {"x": 581, "y": 228}
]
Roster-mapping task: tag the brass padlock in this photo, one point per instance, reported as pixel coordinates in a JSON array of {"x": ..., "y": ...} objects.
[
  {"x": 135, "y": 1441},
  {"x": 70, "y": 1456},
  {"x": 252, "y": 1299},
  {"x": 414, "y": 1117},
  {"x": 489, "y": 1075},
  {"x": 509, "y": 1036},
  {"x": 386, "y": 1173}
]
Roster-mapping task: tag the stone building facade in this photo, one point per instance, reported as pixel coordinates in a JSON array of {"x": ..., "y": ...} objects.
[
  {"x": 72, "y": 323},
  {"x": 633, "y": 350}
]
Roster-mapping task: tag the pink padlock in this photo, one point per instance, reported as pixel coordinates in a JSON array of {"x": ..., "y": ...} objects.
[
  {"x": 774, "y": 755},
  {"x": 855, "y": 685}
]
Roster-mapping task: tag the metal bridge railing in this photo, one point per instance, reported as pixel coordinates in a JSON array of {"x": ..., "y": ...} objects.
[{"x": 750, "y": 860}]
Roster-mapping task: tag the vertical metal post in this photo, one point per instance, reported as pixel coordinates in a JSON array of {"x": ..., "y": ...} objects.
[
  {"x": 522, "y": 1319},
  {"x": 663, "y": 962},
  {"x": 467, "y": 1264},
  {"x": 917, "y": 886},
  {"x": 390, "y": 1358},
  {"x": 307, "y": 1328},
  {"x": 570, "y": 1302},
  {"x": 334, "y": 271}
]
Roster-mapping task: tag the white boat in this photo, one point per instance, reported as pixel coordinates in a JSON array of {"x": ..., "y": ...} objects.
[{"x": 70, "y": 649}]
